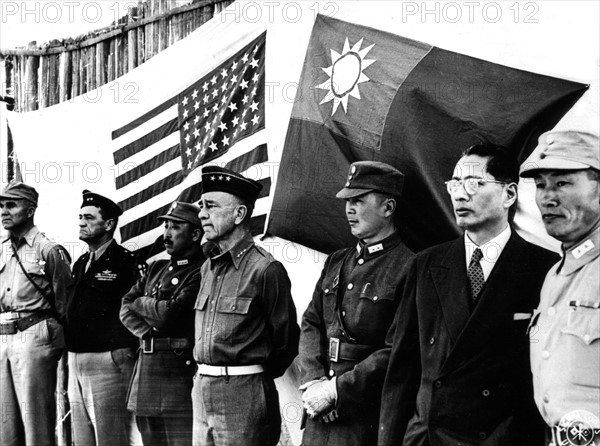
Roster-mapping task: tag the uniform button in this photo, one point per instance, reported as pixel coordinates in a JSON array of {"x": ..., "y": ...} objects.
[
  {"x": 326, "y": 290},
  {"x": 545, "y": 354},
  {"x": 546, "y": 399},
  {"x": 218, "y": 277},
  {"x": 208, "y": 330},
  {"x": 438, "y": 384},
  {"x": 188, "y": 362},
  {"x": 233, "y": 307},
  {"x": 482, "y": 435},
  {"x": 350, "y": 286},
  {"x": 432, "y": 341},
  {"x": 174, "y": 280},
  {"x": 331, "y": 373},
  {"x": 343, "y": 314},
  {"x": 551, "y": 311},
  {"x": 485, "y": 392},
  {"x": 586, "y": 338},
  {"x": 361, "y": 261},
  {"x": 375, "y": 297},
  {"x": 8, "y": 289},
  {"x": 170, "y": 268}
]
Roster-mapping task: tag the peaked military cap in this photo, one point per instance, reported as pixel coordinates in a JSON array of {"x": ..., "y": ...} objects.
[
  {"x": 20, "y": 191},
  {"x": 372, "y": 176},
  {"x": 183, "y": 213},
  {"x": 563, "y": 150},
  {"x": 92, "y": 199},
  {"x": 219, "y": 179}
]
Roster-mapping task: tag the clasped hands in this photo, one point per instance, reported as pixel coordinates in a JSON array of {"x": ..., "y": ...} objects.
[{"x": 319, "y": 397}]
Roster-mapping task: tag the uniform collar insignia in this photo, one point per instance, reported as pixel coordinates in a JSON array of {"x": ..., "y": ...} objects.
[
  {"x": 583, "y": 248},
  {"x": 182, "y": 262},
  {"x": 375, "y": 248}
]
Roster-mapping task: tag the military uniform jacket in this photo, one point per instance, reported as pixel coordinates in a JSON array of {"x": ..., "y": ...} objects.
[
  {"x": 461, "y": 377},
  {"x": 245, "y": 314},
  {"x": 160, "y": 306},
  {"x": 48, "y": 265},
  {"x": 93, "y": 323},
  {"x": 354, "y": 301}
]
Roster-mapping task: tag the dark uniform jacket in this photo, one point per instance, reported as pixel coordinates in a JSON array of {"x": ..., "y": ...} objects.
[
  {"x": 93, "y": 323},
  {"x": 159, "y": 309},
  {"x": 354, "y": 302},
  {"x": 468, "y": 373}
]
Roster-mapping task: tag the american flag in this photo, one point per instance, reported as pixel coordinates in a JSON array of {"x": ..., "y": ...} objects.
[{"x": 219, "y": 119}]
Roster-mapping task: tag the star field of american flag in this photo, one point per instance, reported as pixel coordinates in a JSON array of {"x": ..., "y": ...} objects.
[{"x": 223, "y": 107}]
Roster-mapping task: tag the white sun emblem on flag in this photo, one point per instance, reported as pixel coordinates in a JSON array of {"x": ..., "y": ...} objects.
[{"x": 345, "y": 73}]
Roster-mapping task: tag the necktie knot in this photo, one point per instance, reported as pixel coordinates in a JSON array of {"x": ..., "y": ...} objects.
[{"x": 477, "y": 256}]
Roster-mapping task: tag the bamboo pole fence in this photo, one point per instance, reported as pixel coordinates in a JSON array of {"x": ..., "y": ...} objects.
[{"x": 41, "y": 76}]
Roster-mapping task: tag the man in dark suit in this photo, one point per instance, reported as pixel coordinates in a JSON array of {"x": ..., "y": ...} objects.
[{"x": 459, "y": 361}]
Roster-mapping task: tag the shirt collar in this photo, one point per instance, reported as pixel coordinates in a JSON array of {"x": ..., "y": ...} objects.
[
  {"x": 372, "y": 250},
  {"x": 29, "y": 236},
  {"x": 491, "y": 249},
  {"x": 236, "y": 254},
  {"x": 102, "y": 249},
  {"x": 582, "y": 253}
]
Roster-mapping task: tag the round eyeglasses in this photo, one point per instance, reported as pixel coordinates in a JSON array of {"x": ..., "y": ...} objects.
[{"x": 471, "y": 185}]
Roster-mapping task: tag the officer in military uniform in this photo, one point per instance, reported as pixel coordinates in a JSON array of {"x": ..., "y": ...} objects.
[
  {"x": 159, "y": 311},
  {"x": 352, "y": 307},
  {"x": 565, "y": 329},
  {"x": 246, "y": 329},
  {"x": 101, "y": 349},
  {"x": 35, "y": 274}
]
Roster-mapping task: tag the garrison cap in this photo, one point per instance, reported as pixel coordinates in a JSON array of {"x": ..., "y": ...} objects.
[
  {"x": 372, "y": 176},
  {"x": 92, "y": 199},
  {"x": 563, "y": 150},
  {"x": 20, "y": 191},
  {"x": 183, "y": 213},
  {"x": 219, "y": 179}
]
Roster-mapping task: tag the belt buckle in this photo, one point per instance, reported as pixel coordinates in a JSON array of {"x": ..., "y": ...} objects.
[
  {"x": 334, "y": 349},
  {"x": 145, "y": 348},
  {"x": 8, "y": 328}
]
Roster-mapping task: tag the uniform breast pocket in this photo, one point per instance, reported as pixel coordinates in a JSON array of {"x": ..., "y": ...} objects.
[
  {"x": 582, "y": 335},
  {"x": 232, "y": 316},
  {"x": 200, "y": 310},
  {"x": 375, "y": 308}
]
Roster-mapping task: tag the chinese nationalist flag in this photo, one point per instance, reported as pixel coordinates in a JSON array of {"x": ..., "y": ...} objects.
[{"x": 369, "y": 95}]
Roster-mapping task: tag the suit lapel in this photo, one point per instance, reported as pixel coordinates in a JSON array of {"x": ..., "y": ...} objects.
[
  {"x": 501, "y": 289},
  {"x": 450, "y": 281}
]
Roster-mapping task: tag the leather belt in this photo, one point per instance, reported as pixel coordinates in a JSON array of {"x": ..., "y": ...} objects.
[
  {"x": 215, "y": 370},
  {"x": 343, "y": 351},
  {"x": 23, "y": 322},
  {"x": 151, "y": 345}
]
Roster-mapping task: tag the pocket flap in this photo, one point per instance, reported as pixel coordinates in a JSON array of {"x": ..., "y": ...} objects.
[
  {"x": 201, "y": 301},
  {"x": 584, "y": 323},
  {"x": 234, "y": 305}
]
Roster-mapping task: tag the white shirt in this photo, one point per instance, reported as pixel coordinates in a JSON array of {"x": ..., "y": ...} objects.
[{"x": 491, "y": 250}]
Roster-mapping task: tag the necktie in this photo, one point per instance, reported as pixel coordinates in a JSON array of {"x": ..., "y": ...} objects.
[
  {"x": 475, "y": 273},
  {"x": 90, "y": 261}
]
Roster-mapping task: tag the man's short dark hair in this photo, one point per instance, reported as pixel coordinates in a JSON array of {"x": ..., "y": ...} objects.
[
  {"x": 109, "y": 214},
  {"x": 501, "y": 165}
]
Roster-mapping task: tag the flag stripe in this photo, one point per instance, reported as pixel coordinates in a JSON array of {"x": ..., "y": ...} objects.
[
  {"x": 156, "y": 188},
  {"x": 244, "y": 162},
  {"x": 147, "y": 140},
  {"x": 145, "y": 117},
  {"x": 145, "y": 168}
]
